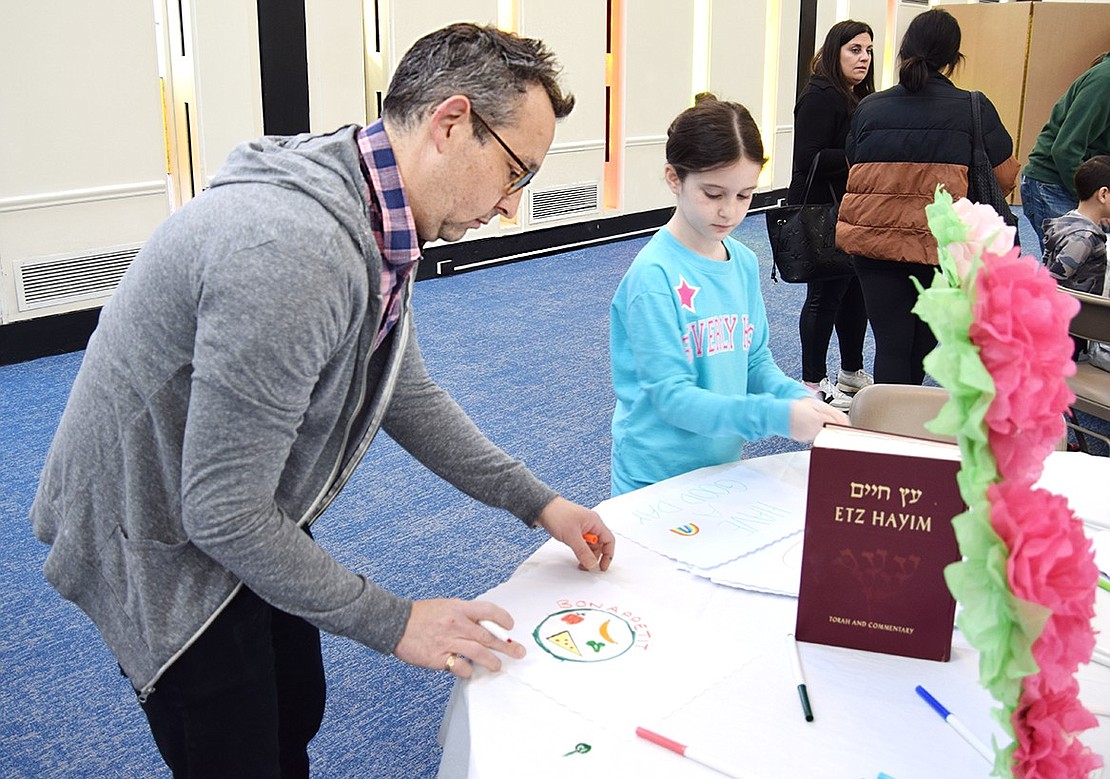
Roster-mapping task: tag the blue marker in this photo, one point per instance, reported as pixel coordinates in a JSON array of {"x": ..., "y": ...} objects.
[{"x": 957, "y": 726}]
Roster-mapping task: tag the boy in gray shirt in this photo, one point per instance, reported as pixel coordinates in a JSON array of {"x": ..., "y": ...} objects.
[{"x": 1075, "y": 243}]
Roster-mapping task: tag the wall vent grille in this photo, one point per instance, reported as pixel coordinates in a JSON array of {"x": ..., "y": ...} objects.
[
  {"x": 562, "y": 202},
  {"x": 56, "y": 280}
]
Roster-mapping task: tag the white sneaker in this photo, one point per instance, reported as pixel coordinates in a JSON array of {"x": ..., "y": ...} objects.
[
  {"x": 829, "y": 393},
  {"x": 853, "y": 382}
]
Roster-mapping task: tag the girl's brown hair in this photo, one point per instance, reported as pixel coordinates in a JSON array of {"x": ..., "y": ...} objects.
[{"x": 710, "y": 134}]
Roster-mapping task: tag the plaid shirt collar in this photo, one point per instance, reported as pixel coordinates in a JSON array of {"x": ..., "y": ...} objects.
[{"x": 390, "y": 220}]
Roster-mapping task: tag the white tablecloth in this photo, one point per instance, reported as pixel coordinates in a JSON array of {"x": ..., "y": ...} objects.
[{"x": 868, "y": 719}]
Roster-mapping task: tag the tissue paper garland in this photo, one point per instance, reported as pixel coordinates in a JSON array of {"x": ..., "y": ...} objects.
[{"x": 1027, "y": 580}]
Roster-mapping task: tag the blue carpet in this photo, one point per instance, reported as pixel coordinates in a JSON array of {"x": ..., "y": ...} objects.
[{"x": 523, "y": 348}]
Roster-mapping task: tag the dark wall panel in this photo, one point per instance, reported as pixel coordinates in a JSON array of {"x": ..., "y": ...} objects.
[{"x": 283, "y": 51}]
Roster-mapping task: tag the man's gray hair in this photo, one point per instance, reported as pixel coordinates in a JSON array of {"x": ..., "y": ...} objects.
[{"x": 491, "y": 67}]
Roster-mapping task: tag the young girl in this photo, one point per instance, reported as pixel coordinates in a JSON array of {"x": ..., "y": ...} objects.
[{"x": 693, "y": 376}]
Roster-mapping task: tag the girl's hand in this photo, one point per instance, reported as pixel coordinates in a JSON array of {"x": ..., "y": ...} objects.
[
  {"x": 582, "y": 530},
  {"x": 809, "y": 415}
]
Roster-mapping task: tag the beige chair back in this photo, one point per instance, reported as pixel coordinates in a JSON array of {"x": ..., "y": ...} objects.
[
  {"x": 1093, "y": 320},
  {"x": 899, "y": 408},
  {"x": 1091, "y": 385},
  {"x": 905, "y": 408}
]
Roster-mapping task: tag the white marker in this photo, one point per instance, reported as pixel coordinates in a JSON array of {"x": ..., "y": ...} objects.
[{"x": 497, "y": 630}]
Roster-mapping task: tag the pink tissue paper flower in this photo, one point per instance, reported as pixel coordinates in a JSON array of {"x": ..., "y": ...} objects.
[
  {"x": 1063, "y": 645},
  {"x": 1020, "y": 327},
  {"x": 1045, "y": 725},
  {"x": 986, "y": 232},
  {"x": 1051, "y": 561}
]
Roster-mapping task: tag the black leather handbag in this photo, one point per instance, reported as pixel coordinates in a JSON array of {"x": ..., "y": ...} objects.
[
  {"x": 982, "y": 185},
  {"x": 803, "y": 239}
]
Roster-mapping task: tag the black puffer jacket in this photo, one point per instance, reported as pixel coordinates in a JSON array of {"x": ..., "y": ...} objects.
[{"x": 901, "y": 145}]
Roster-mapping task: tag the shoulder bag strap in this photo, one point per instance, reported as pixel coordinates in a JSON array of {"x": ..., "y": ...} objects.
[
  {"x": 809, "y": 182},
  {"x": 978, "y": 149},
  {"x": 809, "y": 178}
]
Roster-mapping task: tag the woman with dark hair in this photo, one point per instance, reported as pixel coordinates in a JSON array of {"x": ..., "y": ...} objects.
[
  {"x": 902, "y": 143},
  {"x": 692, "y": 372},
  {"x": 843, "y": 73}
]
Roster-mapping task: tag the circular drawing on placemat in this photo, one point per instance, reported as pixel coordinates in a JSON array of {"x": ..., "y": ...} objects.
[{"x": 585, "y": 635}]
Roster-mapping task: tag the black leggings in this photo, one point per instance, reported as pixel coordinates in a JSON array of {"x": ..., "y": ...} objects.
[
  {"x": 901, "y": 339},
  {"x": 832, "y": 303},
  {"x": 245, "y": 699}
]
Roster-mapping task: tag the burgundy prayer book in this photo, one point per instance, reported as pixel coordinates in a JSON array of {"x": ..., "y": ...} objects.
[{"x": 878, "y": 536}]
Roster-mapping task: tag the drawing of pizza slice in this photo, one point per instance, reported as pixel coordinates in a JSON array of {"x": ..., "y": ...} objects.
[{"x": 566, "y": 641}]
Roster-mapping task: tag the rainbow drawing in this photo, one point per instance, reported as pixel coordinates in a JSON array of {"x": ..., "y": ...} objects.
[{"x": 689, "y": 529}]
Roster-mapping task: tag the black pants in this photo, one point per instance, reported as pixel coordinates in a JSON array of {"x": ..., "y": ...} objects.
[
  {"x": 901, "y": 339},
  {"x": 832, "y": 303},
  {"x": 245, "y": 699}
]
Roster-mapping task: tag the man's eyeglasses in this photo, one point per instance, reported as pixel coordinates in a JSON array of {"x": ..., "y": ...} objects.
[{"x": 519, "y": 180}]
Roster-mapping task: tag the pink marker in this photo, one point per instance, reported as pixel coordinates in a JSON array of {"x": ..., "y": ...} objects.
[{"x": 689, "y": 753}]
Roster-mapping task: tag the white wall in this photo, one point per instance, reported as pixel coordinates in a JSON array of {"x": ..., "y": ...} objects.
[
  {"x": 83, "y": 163},
  {"x": 336, "y": 64}
]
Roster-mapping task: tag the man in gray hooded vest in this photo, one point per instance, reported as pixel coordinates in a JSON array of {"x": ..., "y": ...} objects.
[{"x": 257, "y": 343}]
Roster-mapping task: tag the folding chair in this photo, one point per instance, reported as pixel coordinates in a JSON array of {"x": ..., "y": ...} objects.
[
  {"x": 899, "y": 408},
  {"x": 1091, "y": 385}
]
